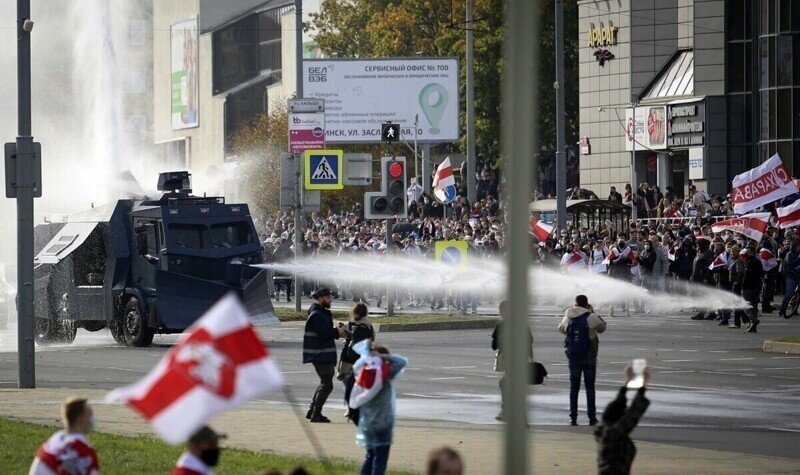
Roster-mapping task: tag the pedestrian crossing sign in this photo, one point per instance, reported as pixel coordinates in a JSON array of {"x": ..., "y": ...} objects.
[
  {"x": 324, "y": 170},
  {"x": 451, "y": 253}
]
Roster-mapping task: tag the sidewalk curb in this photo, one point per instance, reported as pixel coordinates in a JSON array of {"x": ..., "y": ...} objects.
[
  {"x": 480, "y": 324},
  {"x": 774, "y": 346}
]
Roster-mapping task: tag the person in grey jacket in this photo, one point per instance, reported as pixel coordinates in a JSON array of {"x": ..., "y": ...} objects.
[{"x": 660, "y": 266}]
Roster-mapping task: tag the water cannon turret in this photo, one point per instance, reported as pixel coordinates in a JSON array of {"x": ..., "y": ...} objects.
[{"x": 175, "y": 182}]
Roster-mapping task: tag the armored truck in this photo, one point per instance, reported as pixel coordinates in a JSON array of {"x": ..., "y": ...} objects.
[{"x": 143, "y": 266}]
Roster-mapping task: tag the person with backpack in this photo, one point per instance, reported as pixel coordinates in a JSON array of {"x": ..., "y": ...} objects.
[{"x": 581, "y": 326}]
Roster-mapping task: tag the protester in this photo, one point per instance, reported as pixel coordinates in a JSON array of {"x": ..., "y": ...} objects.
[
  {"x": 752, "y": 281},
  {"x": 358, "y": 329},
  {"x": 201, "y": 455},
  {"x": 615, "y": 449},
  {"x": 68, "y": 451},
  {"x": 319, "y": 349},
  {"x": 499, "y": 357},
  {"x": 581, "y": 345},
  {"x": 791, "y": 272},
  {"x": 376, "y": 405},
  {"x": 444, "y": 461}
]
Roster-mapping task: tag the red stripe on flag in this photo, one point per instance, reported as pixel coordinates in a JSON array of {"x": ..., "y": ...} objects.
[
  {"x": 789, "y": 218},
  {"x": 444, "y": 173},
  {"x": 172, "y": 385},
  {"x": 241, "y": 346}
]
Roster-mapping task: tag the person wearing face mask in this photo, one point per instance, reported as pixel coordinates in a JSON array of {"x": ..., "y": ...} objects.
[
  {"x": 202, "y": 453},
  {"x": 68, "y": 450}
]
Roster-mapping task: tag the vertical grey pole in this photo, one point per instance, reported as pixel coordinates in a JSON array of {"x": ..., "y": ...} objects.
[
  {"x": 519, "y": 129},
  {"x": 634, "y": 209},
  {"x": 426, "y": 167},
  {"x": 298, "y": 210},
  {"x": 471, "y": 159},
  {"x": 390, "y": 289},
  {"x": 561, "y": 158},
  {"x": 25, "y": 344}
]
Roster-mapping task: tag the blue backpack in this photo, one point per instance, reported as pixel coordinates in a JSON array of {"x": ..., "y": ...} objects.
[{"x": 577, "y": 344}]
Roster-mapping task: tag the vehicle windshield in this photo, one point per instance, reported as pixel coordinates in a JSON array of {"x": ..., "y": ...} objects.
[{"x": 218, "y": 236}]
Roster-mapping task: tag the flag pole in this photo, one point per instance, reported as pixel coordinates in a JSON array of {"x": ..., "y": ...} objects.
[{"x": 312, "y": 438}]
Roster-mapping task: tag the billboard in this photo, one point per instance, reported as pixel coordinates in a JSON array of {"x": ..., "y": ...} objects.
[
  {"x": 184, "y": 73},
  {"x": 360, "y": 95},
  {"x": 650, "y": 126}
]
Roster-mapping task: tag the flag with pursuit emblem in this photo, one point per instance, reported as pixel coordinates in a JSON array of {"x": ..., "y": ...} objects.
[{"x": 218, "y": 364}]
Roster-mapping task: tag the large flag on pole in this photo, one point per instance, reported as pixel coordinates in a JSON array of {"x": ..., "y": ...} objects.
[
  {"x": 751, "y": 225},
  {"x": 540, "y": 229},
  {"x": 789, "y": 216},
  {"x": 444, "y": 185},
  {"x": 218, "y": 364},
  {"x": 764, "y": 184}
]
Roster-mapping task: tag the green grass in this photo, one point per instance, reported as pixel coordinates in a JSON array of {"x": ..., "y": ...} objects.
[
  {"x": 123, "y": 455},
  {"x": 289, "y": 315},
  {"x": 794, "y": 339}
]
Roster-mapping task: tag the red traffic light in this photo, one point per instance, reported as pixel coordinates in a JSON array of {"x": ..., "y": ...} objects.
[{"x": 395, "y": 169}]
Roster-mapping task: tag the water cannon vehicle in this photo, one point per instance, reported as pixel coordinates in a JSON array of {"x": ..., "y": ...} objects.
[{"x": 141, "y": 266}]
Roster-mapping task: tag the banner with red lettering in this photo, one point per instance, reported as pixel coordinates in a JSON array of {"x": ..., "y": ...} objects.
[
  {"x": 751, "y": 225},
  {"x": 764, "y": 184}
]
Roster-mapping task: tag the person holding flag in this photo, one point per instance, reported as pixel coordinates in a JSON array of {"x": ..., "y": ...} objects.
[
  {"x": 573, "y": 260},
  {"x": 373, "y": 396}
]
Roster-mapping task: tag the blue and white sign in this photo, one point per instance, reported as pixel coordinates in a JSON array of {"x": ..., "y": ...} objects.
[{"x": 324, "y": 170}]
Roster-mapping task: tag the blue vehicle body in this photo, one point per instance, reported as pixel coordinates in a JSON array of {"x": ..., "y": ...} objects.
[{"x": 141, "y": 267}]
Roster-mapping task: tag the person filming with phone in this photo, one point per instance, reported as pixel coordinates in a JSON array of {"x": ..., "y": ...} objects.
[
  {"x": 581, "y": 326},
  {"x": 616, "y": 450}
]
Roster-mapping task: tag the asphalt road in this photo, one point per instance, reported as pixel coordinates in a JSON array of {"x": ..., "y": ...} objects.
[{"x": 711, "y": 387}]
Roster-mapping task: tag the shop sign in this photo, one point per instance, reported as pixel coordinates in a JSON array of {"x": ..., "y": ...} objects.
[
  {"x": 586, "y": 146},
  {"x": 687, "y": 127},
  {"x": 603, "y": 36}
]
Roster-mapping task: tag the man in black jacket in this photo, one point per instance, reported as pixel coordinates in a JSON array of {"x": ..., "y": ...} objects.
[
  {"x": 791, "y": 275},
  {"x": 751, "y": 285},
  {"x": 319, "y": 349},
  {"x": 615, "y": 449},
  {"x": 701, "y": 274}
]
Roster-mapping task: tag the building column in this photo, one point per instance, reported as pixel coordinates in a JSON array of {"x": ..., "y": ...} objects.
[{"x": 664, "y": 171}]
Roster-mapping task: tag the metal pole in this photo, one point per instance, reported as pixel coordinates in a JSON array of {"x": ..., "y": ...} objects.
[
  {"x": 390, "y": 296},
  {"x": 519, "y": 129},
  {"x": 416, "y": 156},
  {"x": 25, "y": 343},
  {"x": 298, "y": 211},
  {"x": 561, "y": 158},
  {"x": 472, "y": 192},
  {"x": 426, "y": 167},
  {"x": 634, "y": 209}
]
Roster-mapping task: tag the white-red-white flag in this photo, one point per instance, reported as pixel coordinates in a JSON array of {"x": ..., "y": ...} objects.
[
  {"x": 370, "y": 378},
  {"x": 764, "y": 184},
  {"x": 573, "y": 261},
  {"x": 789, "y": 216},
  {"x": 218, "y": 364},
  {"x": 719, "y": 261},
  {"x": 540, "y": 229},
  {"x": 613, "y": 254},
  {"x": 673, "y": 250},
  {"x": 767, "y": 259},
  {"x": 751, "y": 225}
]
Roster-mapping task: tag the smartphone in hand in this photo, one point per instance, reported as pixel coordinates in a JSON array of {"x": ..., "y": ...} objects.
[{"x": 637, "y": 380}]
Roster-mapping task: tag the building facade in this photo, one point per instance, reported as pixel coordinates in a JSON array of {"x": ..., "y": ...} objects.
[
  {"x": 207, "y": 87},
  {"x": 689, "y": 91}
]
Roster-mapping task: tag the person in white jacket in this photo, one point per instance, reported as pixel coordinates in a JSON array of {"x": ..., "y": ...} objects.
[{"x": 581, "y": 323}]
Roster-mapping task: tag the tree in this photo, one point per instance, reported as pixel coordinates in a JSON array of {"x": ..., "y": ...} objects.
[{"x": 381, "y": 28}]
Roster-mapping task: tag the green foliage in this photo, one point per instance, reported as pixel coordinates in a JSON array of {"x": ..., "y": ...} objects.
[
  {"x": 143, "y": 455},
  {"x": 381, "y": 28}
]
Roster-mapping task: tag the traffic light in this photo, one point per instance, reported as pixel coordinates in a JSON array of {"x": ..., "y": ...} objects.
[
  {"x": 390, "y": 132},
  {"x": 391, "y": 201}
]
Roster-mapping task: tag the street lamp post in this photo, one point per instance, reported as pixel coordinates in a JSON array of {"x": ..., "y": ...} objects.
[{"x": 561, "y": 159}]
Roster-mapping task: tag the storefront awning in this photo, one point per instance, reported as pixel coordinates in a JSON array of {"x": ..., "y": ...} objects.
[{"x": 675, "y": 79}]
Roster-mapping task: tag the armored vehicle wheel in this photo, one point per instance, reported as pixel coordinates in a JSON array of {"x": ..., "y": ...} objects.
[
  {"x": 50, "y": 331},
  {"x": 134, "y": 326},
  {"x": 116, "y": 331}
]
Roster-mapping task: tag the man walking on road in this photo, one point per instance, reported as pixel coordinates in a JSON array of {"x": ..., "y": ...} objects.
[
  {"x": 319, "y": 349},
  {"x": 581, "y": 345}
]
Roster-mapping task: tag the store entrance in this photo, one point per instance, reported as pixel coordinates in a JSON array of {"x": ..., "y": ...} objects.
[{"x": 680, "y": 161}]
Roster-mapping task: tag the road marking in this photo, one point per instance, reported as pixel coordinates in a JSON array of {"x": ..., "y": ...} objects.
[
  {"x": 689, "y": 351},
  {"x": 678, "y": 361},
  {"x": 785, "y": 377},
  {"x": 718, "y": 351},
  {"x": 449, "y": 377},
  {"x": 736, "y": 359},
  {"x": 784, "y": 357},
  {"x": 458, "y": 367},
  {"x": 793, "y": 367},
  {"x": 676, "y": 371},
  {"x": 423, "y": 396}
]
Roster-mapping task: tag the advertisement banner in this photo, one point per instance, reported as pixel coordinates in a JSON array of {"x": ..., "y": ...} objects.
[
  {"x": 306, "y": 131},
  {"x": 650, "y": 127},
  {"x": 184, "y": 74},
  {"x": 360, "y": 95}
]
